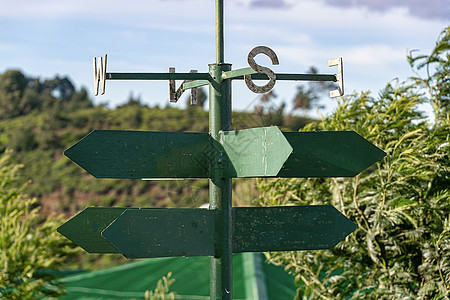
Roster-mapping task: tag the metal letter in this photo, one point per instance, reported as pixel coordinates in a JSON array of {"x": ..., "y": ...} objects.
[
  {"x": 193, "y": 92},
  {"x": 339, "y": 76},
  {"x": 251, "y": 61},
  {"x": 99, "y": 75},
  {"x": 174, "y": 95}
]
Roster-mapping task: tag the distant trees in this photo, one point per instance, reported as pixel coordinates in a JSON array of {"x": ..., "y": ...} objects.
[
  {"x": 308, "y": 95},
  {"x": 266, "y": 113},
  {"x": 401, "y": 248},
  {"x": 21, "y": 95}
]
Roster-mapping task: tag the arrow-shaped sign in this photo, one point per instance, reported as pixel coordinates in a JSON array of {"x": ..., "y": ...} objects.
[
  {"x": 156, "y": 232},
  {"x": 253, "y": 152},
  {"x": 142, "y": 154},
  {"x": 329, "y": 154},
  {"x": 153, "y": 232},
  {"x": 286, "y": 228},
  {"x": 85, "y": 228},
  {"x": 146, "y": 154}
]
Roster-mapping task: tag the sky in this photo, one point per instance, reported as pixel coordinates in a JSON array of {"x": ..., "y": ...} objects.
[{"x": 47, "y": 38}]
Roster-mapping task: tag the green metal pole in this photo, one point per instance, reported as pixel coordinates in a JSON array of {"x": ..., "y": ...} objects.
[
  {"x": 219, "y": 32},
  {"x": 221, "y": 282},
  {"x": 219, "y": 187}
]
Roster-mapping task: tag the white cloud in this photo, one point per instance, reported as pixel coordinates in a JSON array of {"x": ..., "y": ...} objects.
[
  {"x": 374, "y": 55},
  {"x": 430, "y": 9},
  {"x": 153, "y": 35}
]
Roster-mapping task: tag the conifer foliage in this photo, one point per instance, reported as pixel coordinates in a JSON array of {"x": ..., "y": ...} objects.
[
  {"x": 29, "y": 247},
  {"x": 401, "y": 248}
]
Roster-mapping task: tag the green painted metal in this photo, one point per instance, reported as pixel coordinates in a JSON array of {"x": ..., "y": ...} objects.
[
  {"x": 219, "y": 187},
  {"x": 237, "y": 73},
  {"x": 219, "y": 33},
  {"x": 158, "y": 76},
  {"x": 156, "y": 232},
  {"x": 85, "y": 228},
  {"x": 254, "y": 152},
  {"x": 257, "y": 152},
  {"x": 142, "y": 154},
  {"x": 205, "y": 77},
  {"x": 329, "y": 154},
  {"x": 194, "y": 84},
  {"x": 288, "y": 228}
]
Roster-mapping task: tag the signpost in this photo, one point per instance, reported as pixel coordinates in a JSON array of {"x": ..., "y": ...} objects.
[{"x": 220, "y": 155}]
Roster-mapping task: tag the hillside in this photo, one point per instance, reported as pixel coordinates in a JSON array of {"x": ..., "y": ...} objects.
[{"x": 40, "y": 119}]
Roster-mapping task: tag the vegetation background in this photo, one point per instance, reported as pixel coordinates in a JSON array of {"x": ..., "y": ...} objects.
[
  {"x": 401, "y": 205},
  {"x": 401, "y": 248}
]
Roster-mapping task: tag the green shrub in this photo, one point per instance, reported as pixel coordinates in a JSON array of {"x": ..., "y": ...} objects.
[{"x": 401, "y": 205}]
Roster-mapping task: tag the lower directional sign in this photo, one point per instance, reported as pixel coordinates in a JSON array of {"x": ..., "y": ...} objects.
[
  {"x": 284, "y": 228},
  {"x": 85, "y": 228},
  {"x": 155, "y": 232}
]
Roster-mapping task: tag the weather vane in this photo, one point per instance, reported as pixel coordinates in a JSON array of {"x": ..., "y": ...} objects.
[{"x": 255, "y": 71}]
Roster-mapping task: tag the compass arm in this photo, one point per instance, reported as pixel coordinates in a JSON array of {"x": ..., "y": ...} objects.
[
  {"x": 292, "y": 77},
  {"x": 193, "y": 80},
  {"x": 158, "y": 76}
]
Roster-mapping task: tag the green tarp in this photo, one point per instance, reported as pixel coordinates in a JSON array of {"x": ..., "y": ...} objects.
[{"x": 253, "y": 279}]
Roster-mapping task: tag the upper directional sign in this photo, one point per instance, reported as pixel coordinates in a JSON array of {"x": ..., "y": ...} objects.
[
  {"x": 254, "y": 152},
  {"x": 329, "y": 154},
  {"x": 142, "y": 154}
]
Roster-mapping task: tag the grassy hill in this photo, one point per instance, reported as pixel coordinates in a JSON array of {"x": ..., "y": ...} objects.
[{"x": 40, "y": 119}]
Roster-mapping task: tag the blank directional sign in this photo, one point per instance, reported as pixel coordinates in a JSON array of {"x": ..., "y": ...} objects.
[
  {"x": 307, "y": 227},
  {"x": 257, "y": 152},
  {"x": 142, "y": 154},
  {"x": 153, "y": 232},
  {"x": 85, "y": 228},
  {"x": 329, "y": 154}
]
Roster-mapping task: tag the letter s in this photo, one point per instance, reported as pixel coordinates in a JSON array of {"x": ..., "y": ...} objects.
[{"x": 251, "y": 61}]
